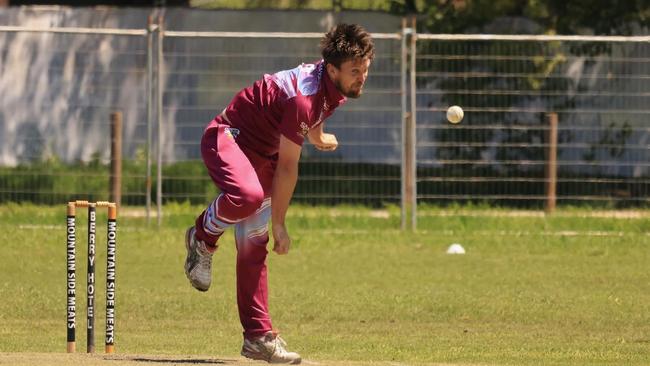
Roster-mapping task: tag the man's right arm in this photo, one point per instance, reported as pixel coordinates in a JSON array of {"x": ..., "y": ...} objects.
[{"x": 284, "y": 182}]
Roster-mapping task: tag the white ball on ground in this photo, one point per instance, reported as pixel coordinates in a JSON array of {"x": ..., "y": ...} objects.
[
  {"x": 455, "y": 249},
  {"x": 455, "y": 114}
]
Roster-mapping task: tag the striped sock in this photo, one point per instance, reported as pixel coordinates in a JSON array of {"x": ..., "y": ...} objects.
[{"x": 212, "y": 223}]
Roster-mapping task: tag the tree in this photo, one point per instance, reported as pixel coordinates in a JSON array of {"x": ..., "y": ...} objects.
[{"x": 601, "y": 17}]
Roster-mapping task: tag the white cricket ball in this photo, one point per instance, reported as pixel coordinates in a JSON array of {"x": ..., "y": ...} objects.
[{"x": 455, "y": 114}]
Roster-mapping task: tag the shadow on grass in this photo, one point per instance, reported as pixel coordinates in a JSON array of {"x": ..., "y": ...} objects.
[{"x": 175, "y": 361}]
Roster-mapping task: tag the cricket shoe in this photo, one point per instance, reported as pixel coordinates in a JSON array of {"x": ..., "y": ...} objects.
[
  {"x": 269, "y": 348},
  {"x": 198, "y": 264}
]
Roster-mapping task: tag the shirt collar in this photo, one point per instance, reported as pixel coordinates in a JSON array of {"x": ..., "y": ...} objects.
[{"x": 334, "y": 96}]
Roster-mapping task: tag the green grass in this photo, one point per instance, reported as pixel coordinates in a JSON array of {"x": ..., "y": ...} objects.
[{"x": 556, "y": 290}]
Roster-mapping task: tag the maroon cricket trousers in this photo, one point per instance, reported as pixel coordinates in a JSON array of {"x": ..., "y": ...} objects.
[{"x": 244, "y": 179}]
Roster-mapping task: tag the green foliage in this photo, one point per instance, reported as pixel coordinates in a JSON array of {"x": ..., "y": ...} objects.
[
  {"x": 186, "y": 181},
  {"x": 447, "y": 16},
  {"x": 349, "y": 183},
  {"x": 330, "y": 183},
  {"x": 554, "y": 16}
]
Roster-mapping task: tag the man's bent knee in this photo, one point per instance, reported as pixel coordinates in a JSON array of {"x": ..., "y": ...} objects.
[{"x": 246, "y": 203}]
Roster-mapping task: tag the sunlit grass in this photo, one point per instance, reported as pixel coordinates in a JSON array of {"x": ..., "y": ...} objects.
[{"x": 531, "y": 290}]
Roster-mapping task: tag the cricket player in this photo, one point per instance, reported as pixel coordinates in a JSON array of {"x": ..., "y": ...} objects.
[{"x": 251, "y": 151}]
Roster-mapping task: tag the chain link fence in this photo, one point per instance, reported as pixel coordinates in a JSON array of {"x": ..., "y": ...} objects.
[
  {"x": 210, "y": 68},
  {"x": 596, "y": 88},
  {"x": 58, "y": 87}
]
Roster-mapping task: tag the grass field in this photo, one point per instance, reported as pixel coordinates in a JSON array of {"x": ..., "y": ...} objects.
[{"x": 531, "y": 290}]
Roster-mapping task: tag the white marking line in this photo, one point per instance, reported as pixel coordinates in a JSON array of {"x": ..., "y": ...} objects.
[
  {"x": 491, "y": 232},
  {"x": 433, "y": 232},
  {"x": 385, "y": 214},
  {"x": 40, "y": 227},
  {"x": 59, "y": 227},
  {"x": 623, "y": 214}
]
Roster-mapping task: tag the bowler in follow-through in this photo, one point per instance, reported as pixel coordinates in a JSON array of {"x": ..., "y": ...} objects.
[{"x": 251, "y": 151}]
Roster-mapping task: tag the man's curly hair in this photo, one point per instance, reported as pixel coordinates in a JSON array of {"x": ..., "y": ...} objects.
[{"x": 346, "y": 42}]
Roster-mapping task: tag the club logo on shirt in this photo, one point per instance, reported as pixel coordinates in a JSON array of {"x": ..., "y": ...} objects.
[
  {"x": 231, "y": 132},
  {"x": 304, "y": 128}
]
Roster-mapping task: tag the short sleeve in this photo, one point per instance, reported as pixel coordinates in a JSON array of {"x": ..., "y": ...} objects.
[{"x": 295, "y": 120}]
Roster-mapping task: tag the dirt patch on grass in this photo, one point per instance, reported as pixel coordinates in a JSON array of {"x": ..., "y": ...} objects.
[{"x": 83, "y": 359}]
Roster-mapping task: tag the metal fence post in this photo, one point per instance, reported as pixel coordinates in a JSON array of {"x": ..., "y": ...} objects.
[
  {"x": 116, "y": 159},
  {"x": 413, "y": 128},
  {"x": 551, "y": 163},
  {"x": 150, "y": 29},
  {"x": 159, "y": 102},
  {"x": 408, "y": 176},
  {"x": 405, "y": 115}
]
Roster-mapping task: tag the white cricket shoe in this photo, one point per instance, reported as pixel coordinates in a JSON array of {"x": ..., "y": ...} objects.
[
  {"x": 198, "y": 264},
  {"x": 269, "y": 348}
]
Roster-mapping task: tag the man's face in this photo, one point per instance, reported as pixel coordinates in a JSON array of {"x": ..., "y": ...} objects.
[{"x": 350, "y": 77}]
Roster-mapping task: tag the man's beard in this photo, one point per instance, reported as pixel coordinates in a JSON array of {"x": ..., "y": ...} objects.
[{"x": 351, "y": 93}]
